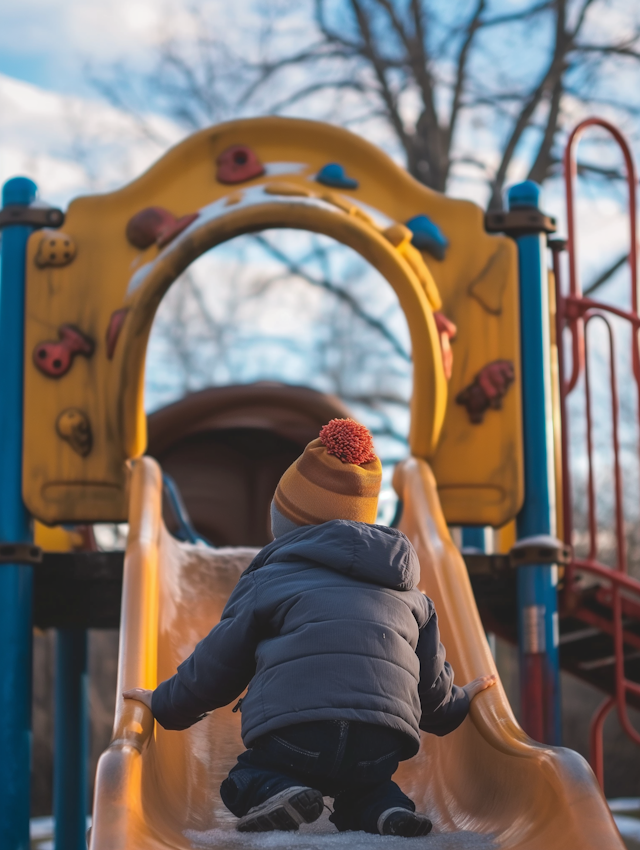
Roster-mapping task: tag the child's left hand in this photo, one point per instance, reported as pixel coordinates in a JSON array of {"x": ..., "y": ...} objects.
[
  {"x": 478, "y": 685},
  {"x": 141, "y": 694}
]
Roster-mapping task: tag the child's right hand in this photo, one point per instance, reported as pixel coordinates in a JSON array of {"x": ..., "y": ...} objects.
[
  {"x": 141, "y": 694},
  {"x": 474, "y": 688}
]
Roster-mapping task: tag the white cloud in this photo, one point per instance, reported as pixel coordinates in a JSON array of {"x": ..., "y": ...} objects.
[{"x": 71, "y": 145}]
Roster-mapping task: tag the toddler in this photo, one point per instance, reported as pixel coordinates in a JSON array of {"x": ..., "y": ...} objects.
[{"x": 340, "y": 652}]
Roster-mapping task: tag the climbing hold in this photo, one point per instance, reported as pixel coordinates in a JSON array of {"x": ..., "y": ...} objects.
[
  {"x": 398, "y": 235},
  {"x": 427, "y": 236},
  {"x": 113, "y": 331},
  {"x": 234, "y": 198},
  {"x": 347, "y": 206},
  {"x": 238, "y": 164},
  {"x": 55, "y": 358},
  {"x": 338, "y": 201},
  {"x": 73, "y": 427},
  {"x": 293, "y": 189},
  {"x": 333, "y": 174},
  {"x": 446, "y": 331},
  {"x": 487, "y": 390},
  {"x": 55, "y": 249},
  {"x": 155, "y": 224}
]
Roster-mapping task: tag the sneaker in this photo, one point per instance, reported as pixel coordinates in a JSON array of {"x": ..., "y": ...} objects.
[
  {"x": 403, "y": 822},
  {"x": 285, "y": 810}
]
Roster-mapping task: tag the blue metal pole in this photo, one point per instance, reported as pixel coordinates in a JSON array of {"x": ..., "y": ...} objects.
[
  {"x": 71, "y": 740},
  {"x": 15, "y": 579},
  {"x": 537, "y": 584},
  {"x": 474, "y": 537}
]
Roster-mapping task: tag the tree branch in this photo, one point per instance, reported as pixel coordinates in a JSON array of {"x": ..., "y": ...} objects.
[{"x": 298, "y": 270}]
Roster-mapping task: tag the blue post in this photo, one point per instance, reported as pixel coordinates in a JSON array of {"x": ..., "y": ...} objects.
[
  {"x": 71, "y": 740},
  {"x": 15, "y": 579},
  {"x": 537, "y": 584},
  {"x": 474, "y": 537}
]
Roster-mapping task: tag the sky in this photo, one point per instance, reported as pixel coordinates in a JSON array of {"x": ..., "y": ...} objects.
[
  {"x": 55, "y": 128},
  {"x": 50, "y": 44}
]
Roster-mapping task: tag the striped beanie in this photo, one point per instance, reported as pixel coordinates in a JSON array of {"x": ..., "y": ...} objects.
[{"x": 336, "y": 477}]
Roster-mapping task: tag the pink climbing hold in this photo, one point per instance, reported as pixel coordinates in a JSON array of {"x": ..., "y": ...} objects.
[
  {"x": 487, "y": 389},
  {"x": 446, "y": 331},
  {"x": 155, "y": 224},
  {"x": 54, "y": 359},
  {"x": 113, "y": 331},
  {"x": 238, "y": 164}
]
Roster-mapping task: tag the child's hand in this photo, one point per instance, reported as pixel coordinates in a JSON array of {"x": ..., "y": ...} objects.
[
  {"x": 141, "y": 694},
  {"x": 473, "y": 688}
]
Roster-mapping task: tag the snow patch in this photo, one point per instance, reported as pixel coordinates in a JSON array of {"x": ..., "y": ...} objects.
[{"x": 322, "y": 835}]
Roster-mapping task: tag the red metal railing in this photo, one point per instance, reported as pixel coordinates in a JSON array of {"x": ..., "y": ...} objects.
[{"x": 575, "y": 313}]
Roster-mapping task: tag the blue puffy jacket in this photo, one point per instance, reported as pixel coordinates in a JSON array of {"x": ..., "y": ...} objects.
[{"x": 326, "y": 623}]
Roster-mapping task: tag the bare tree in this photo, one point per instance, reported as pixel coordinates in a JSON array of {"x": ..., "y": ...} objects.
[
  {"x": 458, "y": 88},
  {"x": 470, "y": 89},
  {"x": 291, "y": 306}
]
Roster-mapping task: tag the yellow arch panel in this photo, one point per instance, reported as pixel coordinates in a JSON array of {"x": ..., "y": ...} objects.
[{"x": 82, "y": 425}]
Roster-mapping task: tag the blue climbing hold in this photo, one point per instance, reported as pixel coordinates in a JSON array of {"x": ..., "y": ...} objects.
[
  {"x": 427, "y": 236},
  {"x": 334, "y": 175}
]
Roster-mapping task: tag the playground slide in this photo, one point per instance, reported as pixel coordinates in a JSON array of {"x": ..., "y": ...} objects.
[{"x": 486, "y": 785}]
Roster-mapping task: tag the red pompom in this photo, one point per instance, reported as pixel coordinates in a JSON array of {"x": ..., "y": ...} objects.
[{"x": 348, "y": 440}]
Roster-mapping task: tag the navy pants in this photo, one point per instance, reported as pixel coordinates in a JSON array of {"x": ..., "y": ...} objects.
[{"x": 349, "y": 761}]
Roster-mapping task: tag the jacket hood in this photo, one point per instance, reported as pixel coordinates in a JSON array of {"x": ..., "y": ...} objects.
[{"x": 371, "y": 553}]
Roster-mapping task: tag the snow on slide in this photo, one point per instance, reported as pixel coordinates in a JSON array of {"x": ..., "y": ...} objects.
[{"x": 486, "y": 785}]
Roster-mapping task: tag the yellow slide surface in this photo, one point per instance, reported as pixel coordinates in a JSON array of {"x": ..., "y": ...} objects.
[{"x": 486, "y": 785}]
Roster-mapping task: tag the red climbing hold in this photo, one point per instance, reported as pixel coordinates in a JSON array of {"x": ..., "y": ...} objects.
[
  {"x": 155, "y": 224},
  {"x": 113, "y": 331},
  {"x": 238, "y": 164},
  {"x": 446, "y": 331},
  {"x": 488, "y": 389},
  {"x": 348, "y": 440},
  {"x": 55, "y": 358}
]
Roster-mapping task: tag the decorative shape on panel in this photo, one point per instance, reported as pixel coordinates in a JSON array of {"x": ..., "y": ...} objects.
[
  {"x": 293, "y": 189},
  {"x": 398, "y": 235},
  {"x": 347, "y": 206},
  {"x": 54, "y": 359},
  {"x": 427, "y": 236},
  {"x": 446, "y": 331},
  {"x": 489, "y": 286},
  {"x": 155, "y": 224},
  {"x": 238, "y": 164},
  {"x": 333, "y": 174},
  {"x": 343, "y": 204},
  {"x": 487, "y": 390},
  {"x": 113, "y": 331},
  {"x": 234, "y": 198},
  {"x": 55, "y": 249},
  {"x": 73, "y": 427}
]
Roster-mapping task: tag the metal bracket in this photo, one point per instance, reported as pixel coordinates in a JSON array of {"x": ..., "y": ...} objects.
[
  {"x": 14, "y": 214},
  {"x": 540, "y": 549},
  {"x": 481, "y": 564},
  {"x": 20, "y": 553},
  {"x": 519, "y": 222},
  {"x": 530, "y": 551}
]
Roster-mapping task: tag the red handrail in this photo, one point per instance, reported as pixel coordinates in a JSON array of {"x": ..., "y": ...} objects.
[
  {"x": 575, "y": 312},
  {"x": 570, "y": 171}
]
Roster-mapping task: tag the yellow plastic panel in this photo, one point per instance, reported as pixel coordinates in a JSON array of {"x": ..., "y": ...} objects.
[
  {"x": 82, "y": 426},
  {"x": 56, "y": 538},
  {"x": 158, "y": 789},
  {"x": 479, "y": 467}
]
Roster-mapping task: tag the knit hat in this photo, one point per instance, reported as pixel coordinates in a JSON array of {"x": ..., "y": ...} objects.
[{"x": 336, "y": 477}]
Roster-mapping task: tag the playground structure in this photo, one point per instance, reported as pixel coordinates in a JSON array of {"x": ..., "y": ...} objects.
[{"x": 91, "y": 293}]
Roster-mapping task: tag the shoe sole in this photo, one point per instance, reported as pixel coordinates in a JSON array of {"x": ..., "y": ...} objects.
[
  {"x": 410, "y": 825},
  {"x": 284, "y": 813}
]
